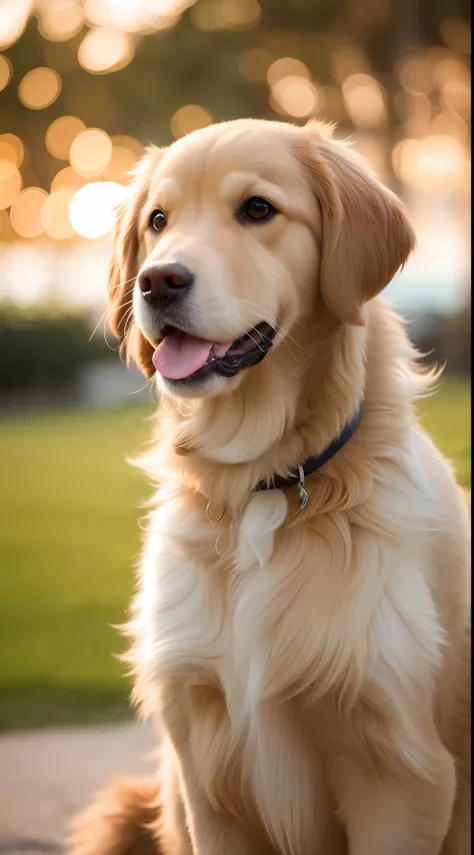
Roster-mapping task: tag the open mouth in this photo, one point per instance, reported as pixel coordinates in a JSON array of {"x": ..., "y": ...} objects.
[{"x": 182, "y": 356}]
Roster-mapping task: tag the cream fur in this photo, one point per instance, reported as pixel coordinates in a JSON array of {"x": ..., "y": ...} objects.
[{"x": 308, "y": 668}]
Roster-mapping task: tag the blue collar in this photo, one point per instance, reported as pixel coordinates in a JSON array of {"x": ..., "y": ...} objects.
[{"x": 313, "y": 463}]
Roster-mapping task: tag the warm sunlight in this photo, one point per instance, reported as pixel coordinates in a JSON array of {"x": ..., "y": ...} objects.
[{"x": 91, "y": 210}]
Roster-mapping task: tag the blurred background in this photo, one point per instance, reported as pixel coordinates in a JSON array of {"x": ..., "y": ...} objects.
[{"x": 84, "y": 85}]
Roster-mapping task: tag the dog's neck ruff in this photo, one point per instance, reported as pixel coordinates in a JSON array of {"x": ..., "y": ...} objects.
[{"x": 297, "y": 478}]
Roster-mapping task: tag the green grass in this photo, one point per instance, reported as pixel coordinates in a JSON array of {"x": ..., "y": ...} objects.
[
  {"x": 447, "y": 417},
  {"x": 68, "y": 538}
]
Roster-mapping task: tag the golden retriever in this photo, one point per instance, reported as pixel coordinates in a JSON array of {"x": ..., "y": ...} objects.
[{"x": 303, "y": 644}]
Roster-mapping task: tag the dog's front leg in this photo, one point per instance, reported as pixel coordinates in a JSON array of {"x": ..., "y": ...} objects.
[
  {"x": 211, "y": 833},
  {"x": 395, "y": 787},
  {"x": 173, "y": 829}
]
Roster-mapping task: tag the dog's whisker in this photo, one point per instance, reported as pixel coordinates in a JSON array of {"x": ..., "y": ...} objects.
[
  {"x": 146, "y": 385},
  {"x": 127, "y": 316},
  {"x": 278, "y": 334},
  {"x": 267, "y": 316},
  {"x": 122, "y": 284},
  {"x": 114, "y": 349},
  {"x": 105, "y": 315},
  {"x": 270, "y": 319}
]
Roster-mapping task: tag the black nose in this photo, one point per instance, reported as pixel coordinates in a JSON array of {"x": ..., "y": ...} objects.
[{"x": 160, "y": 284}]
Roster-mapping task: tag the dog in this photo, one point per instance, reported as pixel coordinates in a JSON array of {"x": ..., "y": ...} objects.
[{"x": 302, "y": 623}]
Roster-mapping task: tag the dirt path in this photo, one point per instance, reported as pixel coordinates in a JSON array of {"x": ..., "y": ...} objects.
[{"x": 46, "y": 776}]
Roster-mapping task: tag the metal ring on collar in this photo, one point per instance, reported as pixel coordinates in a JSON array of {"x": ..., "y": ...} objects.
[{"x": 208, "y": 513}]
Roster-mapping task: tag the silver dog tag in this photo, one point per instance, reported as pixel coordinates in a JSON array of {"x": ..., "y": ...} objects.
[{"x": 303, "y": 493}]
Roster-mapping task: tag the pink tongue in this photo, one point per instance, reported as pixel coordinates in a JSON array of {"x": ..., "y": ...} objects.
[{"x": 179, "y": 355}]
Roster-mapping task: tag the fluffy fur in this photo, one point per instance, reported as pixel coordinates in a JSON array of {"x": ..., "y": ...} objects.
[
  {"x": 123, "y": 820},
  {"x": 308, "y": 668}
]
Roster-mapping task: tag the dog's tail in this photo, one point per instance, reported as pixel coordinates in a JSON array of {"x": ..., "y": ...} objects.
[{"x": 122, "y": 820}]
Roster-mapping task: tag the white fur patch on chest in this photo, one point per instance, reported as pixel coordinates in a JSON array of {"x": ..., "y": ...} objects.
[
  {"x": 265, "y": 514},
  {"x": 188, "y": 600}
]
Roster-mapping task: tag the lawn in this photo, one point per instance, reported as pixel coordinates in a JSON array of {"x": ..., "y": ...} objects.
[
  {"x": 447, "y": 417},
  {"x": 68, "y": 538}
]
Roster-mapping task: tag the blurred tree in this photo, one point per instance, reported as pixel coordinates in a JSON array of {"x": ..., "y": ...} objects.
[
  {"x": 445, "y": 340},
  {"x": 42, "y": 352},
  {"x": 186, "y": 65}
]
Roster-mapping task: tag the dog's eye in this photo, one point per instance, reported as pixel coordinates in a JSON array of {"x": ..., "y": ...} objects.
[
  {"x": 157, "y": 221},
  {"x": 257, "y": 208}
]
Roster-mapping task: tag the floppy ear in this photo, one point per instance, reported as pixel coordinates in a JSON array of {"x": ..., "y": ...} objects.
[
  {"x": 124, "y": 264},
  {"x": 366, "y": 233}
]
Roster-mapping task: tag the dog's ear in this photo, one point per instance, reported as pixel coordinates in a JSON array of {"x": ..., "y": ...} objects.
[
  {"x": 124, "y": 264},
  {"x": 366, "y": 235}
]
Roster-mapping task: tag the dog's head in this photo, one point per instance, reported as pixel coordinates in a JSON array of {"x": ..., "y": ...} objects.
[{"x": 236, "y": 232}]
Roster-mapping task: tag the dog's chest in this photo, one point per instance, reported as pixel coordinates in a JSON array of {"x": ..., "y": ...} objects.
[
  {"x": 275, "y": 616},
  {"x": 205, "y": 616},
  {"x": 217, "y": 628}
]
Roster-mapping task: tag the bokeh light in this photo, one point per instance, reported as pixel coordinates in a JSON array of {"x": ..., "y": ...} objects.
[
  {"x": 105, "y": 49},
  {"x": 7, "y": 152},
  {"x": 450, "y": 69},
  {"x": 440, "y": 163},
  {"x": 90, "y": 152},
  {"x": 189, "y": 118},
  {"x": 451, "y": 125},
  {"x": 126, "y": 141},
  {"x": 415, "y": 75},
  {"x": 432, "y": 164},
  {"x": 92, "y": 209},
  {"x": 11, "y": 148},
  {"x": 364, "y": 99},
  {"x": 241, "y": 13},
  {"x": 5, "y": 71},
  {"x": 295, "y": 96},
  {"x": 373, "y": 150},
  {"x": 10, "y": 183},
  {"x": 39, "y": 88},
  {"x": 55, "y": 213},
  {"x": 144, "y": 16},
  {"x": 61, "y": 135},
  {"x": 67, "y": 177},
  {"x": 286, "y": 66},
  {"x": 27, "y": 271},
  {"x": 15, "y": 143},
  {"x": 456, "y": 96},
  {"x": 211, "y": 15},
  {"x": 348, "y": 59},
  {"x": 207, "y": 15},
  {"x": 26, "y": 212},
  {"x": 456, "y": 34},
  {"x": 60, "y": 20},
  {"x": 420, "y": 146},
  {"x": 7, "y": 232},
  {"x": 13, "y": 17},
  {"x": 121, "y": 162},
  {"x": 410, "y": 107},
  {"x": 97, "y": 12}
]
